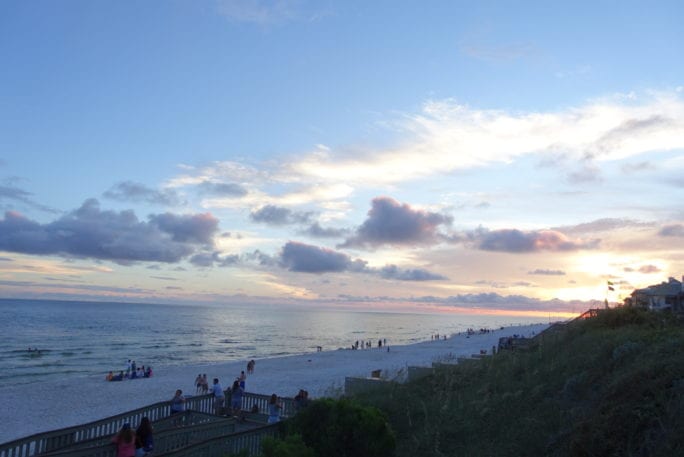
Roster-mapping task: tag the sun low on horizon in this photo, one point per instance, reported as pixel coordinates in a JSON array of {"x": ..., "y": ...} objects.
[{"x": 475, "y": 158}]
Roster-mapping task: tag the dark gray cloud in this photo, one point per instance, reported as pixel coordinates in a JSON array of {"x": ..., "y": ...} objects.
[
  {"x": 316, "y": 231},
  {"x": 129, "y": 191},
  {"x": 209, "y": 259},
  {"x": 89, "y": 232},
  {"x": 392, "y": 223},
  {"x": 187, "y": 228},
  {"x": 305, "y": 258},
  {"x": 222, "y": 189},
  {"x": 545, "y": 272},
  {"x": 277, "y": 215},
  {"x": 517, "y": 241},
  {"x": 672, "y": 230},
  {"x": 411, "y": 274}
]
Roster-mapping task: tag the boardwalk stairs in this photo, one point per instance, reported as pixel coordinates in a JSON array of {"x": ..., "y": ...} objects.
[{"x": 195, "y": 432}]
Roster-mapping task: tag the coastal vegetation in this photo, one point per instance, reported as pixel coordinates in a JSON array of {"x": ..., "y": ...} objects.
[{"x": 610, "y": 385}]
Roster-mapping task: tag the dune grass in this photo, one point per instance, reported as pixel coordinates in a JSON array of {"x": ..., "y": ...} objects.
[{"x": 606, "y": 386}]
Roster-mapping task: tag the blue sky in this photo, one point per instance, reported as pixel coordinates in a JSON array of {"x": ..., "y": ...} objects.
[{"x": 407, "y": 155}]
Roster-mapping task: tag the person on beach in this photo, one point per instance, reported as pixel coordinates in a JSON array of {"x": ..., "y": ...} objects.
[
  {"x": 125, "y": 441},
  {"x": 236, "y": 397},
  {"x": 198, "y": 384},
  {"x": 219, "y": 397},
  {"x": 144, "y": 442},
  {"x": 242, "y": 379},
  {"x": 110, "y": 376},
  {"x": 250, "y": 366},
  {"x": 274, "y": 407}
]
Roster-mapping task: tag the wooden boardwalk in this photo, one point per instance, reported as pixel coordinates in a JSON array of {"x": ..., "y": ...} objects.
[{"x": 195, "y": 432}]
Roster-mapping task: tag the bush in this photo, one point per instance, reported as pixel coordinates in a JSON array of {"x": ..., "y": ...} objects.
[
  {"x": 343, "y": 428},
  {"x": 291, "y": 446}
]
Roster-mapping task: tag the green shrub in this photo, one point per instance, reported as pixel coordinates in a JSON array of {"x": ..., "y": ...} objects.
[
  {"x": 291, "y": 446},
  {"x": 343, "y": 428}
]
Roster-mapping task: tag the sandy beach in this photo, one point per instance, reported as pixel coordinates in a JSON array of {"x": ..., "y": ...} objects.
[{"x": 45, "y": 406}]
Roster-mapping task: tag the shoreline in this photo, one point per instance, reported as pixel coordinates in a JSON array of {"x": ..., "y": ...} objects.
[{"x": 50, "y": 405}]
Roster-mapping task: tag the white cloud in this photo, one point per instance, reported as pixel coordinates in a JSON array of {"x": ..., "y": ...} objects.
[{"x": 447, "y": 136}]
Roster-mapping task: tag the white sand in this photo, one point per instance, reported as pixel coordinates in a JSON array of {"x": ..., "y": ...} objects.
[{"x": 40, "y": 407}]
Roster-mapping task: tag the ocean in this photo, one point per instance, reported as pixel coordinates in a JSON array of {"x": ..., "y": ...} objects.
[{"x": 92, "y": 338}]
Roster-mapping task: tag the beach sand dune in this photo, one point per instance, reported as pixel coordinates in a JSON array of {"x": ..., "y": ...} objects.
[{"x": 44, "y": 406}]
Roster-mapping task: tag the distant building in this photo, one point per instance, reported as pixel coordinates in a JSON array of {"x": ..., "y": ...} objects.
[{"x": 666, "y": 295}]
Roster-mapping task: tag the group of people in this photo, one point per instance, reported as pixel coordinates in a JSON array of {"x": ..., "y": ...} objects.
[
  {"x": 201, "y": 384},
  {"x": 132, "y": 371},
  {"x": 136, "y": 443},
  {"x": 368, "y": 344}
]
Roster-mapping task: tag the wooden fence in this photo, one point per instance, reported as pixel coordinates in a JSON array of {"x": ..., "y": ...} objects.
[{"x": 52, "y": 441}]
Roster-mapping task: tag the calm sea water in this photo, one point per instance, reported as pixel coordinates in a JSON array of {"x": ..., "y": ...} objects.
[{"x": 85, "y": 338}]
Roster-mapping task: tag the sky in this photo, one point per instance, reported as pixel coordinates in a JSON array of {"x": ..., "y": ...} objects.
[{"x": 439, "y": 156}]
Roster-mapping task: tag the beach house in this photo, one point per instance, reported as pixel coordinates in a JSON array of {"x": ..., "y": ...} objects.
[{"x": 666, "y": 295}]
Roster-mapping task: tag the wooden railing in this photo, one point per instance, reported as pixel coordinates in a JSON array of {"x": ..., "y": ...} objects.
[
  {"x": 165, "y": 441},
  {"x": 249, "y": 440},
  {"x": 187, "y": 420},
  {"x": 43, "y": 443}
]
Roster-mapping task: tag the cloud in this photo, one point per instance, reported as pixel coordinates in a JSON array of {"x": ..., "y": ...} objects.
[
  {"x": 222, "y": 189},
  {"x": 413, "y": 274},
  {"x": 316, "y": 231},
  {"x": 9, "y": 192},
  {"x": 276, "y": 215},
  {"x": 603, "y": 225},
  {"x": 89, "y": 232},
  {"x": 129, "y": 191},
  {"x": 545, "y": 272},
  {"x": 648, "y": 269},
  {"x": 187, "y": 228},
  {"x": 518, "y": 241},
  {"x": 392, "y": 223},
  {"x": 675, "y": 230},
  {"x": 312, "y": 259},
  {"x": 507, "y": 302},
  {"x": 447, "y": 136}
]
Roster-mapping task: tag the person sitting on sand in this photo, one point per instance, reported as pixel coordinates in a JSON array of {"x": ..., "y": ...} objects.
[
  {"x": 144, "y": 442},
  {"x": 110, "y": 376},
  {"x": 148, "y": 372},
  {"x": 125, "y": 441},
  {"x": 118, "y": 377}
]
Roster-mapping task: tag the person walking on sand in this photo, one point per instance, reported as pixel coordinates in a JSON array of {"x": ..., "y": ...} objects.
[
  {"x": 219, "y": 397},
  {"x": 242, "y": 379},
  {"x": 125, "y": 441}
]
